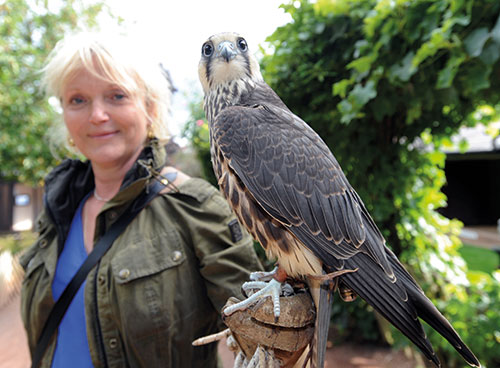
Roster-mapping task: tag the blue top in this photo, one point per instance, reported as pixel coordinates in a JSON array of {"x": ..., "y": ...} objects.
[{"x": 72, "y": 348}]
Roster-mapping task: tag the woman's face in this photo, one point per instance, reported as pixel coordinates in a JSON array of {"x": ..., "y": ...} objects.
[{"x": 108, "y": 126}]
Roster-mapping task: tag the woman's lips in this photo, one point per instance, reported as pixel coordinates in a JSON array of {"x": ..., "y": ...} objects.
[{"x": 103, "y": 134}]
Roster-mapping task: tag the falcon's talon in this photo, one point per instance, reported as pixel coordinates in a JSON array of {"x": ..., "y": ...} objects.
[
  {"x": 287, "y": 290},
  {"x": 250, "y": 287},
  {"x": 271, "y": 288}
]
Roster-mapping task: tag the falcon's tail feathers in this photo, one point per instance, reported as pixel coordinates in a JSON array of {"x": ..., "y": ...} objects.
[
  {"x": 401, "y": 303},
  {"x": 430, "y": 314}
]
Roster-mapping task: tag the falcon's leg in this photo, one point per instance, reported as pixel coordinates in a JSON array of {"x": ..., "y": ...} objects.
[
  {"x": 322, "y": 323},
  {"x": 322, "y": 288}
]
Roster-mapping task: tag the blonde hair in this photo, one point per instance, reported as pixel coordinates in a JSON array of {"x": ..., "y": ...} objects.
[{"x": 117, "y": 60}]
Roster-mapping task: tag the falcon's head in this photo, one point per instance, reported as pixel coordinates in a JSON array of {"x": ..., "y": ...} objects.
[{"x": 225, "y": 57}]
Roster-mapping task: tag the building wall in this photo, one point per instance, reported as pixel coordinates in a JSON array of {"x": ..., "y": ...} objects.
[{"x": 473, "y": 188}]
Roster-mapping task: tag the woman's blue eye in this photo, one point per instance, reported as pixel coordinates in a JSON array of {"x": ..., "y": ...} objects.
[
  {"x": 118, "y": 96},
  {"x": 76, "y": 100}
]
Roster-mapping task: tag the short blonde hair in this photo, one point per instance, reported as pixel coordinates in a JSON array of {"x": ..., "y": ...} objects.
[{"x": 117, "y": 60}]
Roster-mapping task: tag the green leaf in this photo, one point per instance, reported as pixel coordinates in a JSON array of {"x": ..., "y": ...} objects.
[
  {"x": 345, "y": 108},
  {"x": 495, "y": 32},
  {"x": 362, "y": 64},
  {"x": 493, "y": 131},
  {"x": 325, "y": 7},
  {"x": 475, "y": 41},
  {"x": 491, "y": 53},
  {"x": 414, "y": 112},
  {"x": 446, "y": 75},
  {"x": 405, "y": 69},
  {"x": 476, "y": 78},
  {"x": 340, "y": 88},
  {"x": 428, "y": 49},
  {"x": 463, "y": 145},
  {"x": 361, "y": 94}
]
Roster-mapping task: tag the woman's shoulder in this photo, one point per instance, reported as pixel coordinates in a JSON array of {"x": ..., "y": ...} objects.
[
  {"x": 196, "y": 192},
  {"x": 184, "y": 184}
]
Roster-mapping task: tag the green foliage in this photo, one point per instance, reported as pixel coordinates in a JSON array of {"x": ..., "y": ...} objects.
[
  {"x": 476, "y": 318},
  {"x": 28, "y": 31},
  {"x": 196, "y": 131},
  {"x": 361, "y": 329},
  {"x": 386, "y": 83}
]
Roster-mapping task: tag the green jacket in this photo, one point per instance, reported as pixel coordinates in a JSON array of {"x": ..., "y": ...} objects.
[{"x": 163, "y": 282}]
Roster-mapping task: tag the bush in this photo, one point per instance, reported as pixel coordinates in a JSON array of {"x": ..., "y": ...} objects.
[{"x": 476, "y": 318}]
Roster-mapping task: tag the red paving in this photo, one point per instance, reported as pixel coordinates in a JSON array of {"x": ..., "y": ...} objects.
[{"x": 14, "y": 350}]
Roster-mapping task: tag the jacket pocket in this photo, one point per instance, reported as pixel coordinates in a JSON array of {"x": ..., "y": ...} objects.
[
  {"x": 144, "y": 274},
  {"x": 147, "y": 256}
]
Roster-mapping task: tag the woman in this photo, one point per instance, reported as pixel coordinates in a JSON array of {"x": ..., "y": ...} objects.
[{"x": 167, "y": 275}]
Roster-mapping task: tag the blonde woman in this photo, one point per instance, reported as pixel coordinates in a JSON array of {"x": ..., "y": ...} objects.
[{"x": 167, "y": 275}]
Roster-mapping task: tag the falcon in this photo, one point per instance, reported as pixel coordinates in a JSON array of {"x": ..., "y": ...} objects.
[{"x": 289, "y": 191}]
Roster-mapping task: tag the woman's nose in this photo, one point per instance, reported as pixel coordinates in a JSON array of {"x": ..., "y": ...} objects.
[{"x": 98, "y": 113}]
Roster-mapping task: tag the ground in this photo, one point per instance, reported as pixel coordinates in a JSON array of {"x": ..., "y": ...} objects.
[
  {"x": 14, "y": 351},
  {"x": 13, "y": 347}
]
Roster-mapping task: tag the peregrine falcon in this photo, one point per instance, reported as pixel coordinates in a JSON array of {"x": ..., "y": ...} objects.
[{"x": 288, "y": 190}]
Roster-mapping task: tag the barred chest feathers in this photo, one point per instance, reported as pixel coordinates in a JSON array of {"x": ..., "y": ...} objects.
[
  {"x": 224, "y": 95},
  {"x": 296, "y": 259}
]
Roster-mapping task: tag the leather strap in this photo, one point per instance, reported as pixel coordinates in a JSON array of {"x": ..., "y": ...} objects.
[{"x": 100, "y": 248}]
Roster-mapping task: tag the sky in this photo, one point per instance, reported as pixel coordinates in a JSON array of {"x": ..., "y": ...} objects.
[{"x": 176, "y": 30}]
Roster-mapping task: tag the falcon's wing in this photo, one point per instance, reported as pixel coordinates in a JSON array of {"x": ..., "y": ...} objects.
[{"x": 293, "y": 175}]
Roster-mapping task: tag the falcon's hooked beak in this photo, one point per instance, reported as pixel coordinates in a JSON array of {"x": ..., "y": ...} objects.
[{"x": 226, "y": 50}]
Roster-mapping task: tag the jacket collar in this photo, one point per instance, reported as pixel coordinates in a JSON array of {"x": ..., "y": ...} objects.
[{"x": 68, "y": 183}]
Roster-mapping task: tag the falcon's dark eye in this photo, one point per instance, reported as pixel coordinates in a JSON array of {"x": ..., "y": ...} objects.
[
  {"x": 242, "y": 44},
  {"x": 207, "y": 49}
]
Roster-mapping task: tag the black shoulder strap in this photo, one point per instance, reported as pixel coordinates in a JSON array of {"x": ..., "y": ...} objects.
[{"x": 100, "y": 248}]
